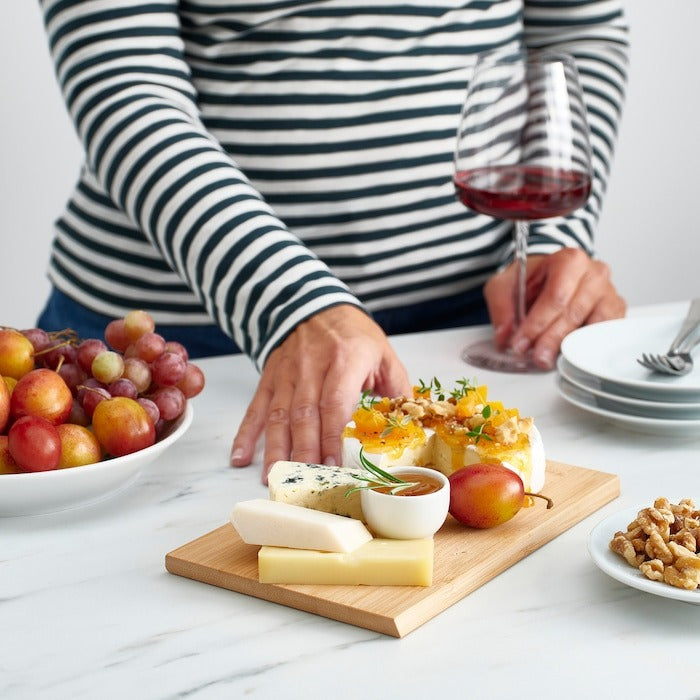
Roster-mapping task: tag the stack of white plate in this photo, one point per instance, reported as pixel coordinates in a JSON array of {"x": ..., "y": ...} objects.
[{"x": 599, "y": 373}]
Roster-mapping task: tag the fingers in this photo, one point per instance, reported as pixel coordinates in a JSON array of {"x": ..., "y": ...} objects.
[
  {"x": 310, "y": 385},
  {"x": 574, "y": 291},
  {"x": 251, "y": 427}
]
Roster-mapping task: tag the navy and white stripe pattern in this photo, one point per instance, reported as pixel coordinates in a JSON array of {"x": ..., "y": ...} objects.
[{"x": 244, "y": 158}]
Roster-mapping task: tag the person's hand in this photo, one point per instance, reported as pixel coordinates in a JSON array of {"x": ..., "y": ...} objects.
[
  {"x": 564, "y": 290},
  {"x": 311, "y": 384}
]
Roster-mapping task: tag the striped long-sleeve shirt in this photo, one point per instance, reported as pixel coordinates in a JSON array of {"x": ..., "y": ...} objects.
[{"x": 254, "y": 163}]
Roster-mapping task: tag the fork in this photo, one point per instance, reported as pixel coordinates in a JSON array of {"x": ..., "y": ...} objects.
[{"x": 678, "y": 360}]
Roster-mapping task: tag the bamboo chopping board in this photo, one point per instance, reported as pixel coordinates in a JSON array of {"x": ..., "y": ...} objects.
[{"x": 464, "y": 559}]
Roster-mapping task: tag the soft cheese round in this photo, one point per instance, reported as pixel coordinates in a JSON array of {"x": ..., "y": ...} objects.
[
  {"x": 529, "y": 462},
  {"x": 445, "y": 434}
]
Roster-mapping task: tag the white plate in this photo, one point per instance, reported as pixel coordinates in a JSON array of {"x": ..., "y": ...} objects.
[
  {"x": 683, "y": 427},
  {"x": 609, "y": 351},
  {"x": 624, "y": 404},
  {"x": 47, "y": 492},
  {"x": 616, "y": 567}
]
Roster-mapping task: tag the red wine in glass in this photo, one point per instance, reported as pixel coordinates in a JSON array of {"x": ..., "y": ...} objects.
[
  {"x": 522, "y": 192},
  {"x": 522, "y": 155}
]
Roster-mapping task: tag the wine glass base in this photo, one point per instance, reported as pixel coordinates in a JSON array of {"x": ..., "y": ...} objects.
[{"x": 485, "y": 355}]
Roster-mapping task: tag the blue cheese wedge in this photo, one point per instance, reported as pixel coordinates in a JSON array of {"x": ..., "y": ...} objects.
[{"x": 316, "y": 486}]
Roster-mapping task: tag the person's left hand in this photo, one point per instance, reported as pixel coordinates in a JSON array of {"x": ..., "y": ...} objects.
[{"x": 564, "y": 290}]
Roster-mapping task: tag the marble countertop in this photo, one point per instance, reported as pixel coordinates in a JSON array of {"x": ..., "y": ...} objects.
[{"x": 87, "y": 609}]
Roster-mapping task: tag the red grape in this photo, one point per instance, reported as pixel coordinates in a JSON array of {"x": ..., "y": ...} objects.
[
  {"x": 73, "y": 375},
  {"x": 168, "y": 369},
  {"x": 170, "y": 401},
  {"x": 149, "y": 346},
  {"x": 115, "y": 335},
  {"x": 192, "y": 382},
  {"x": 55, "y": 355},
  {"x": 92, "y": 397},
  {"x": 137, "y": 371},
  {"x": 151, "y": 409},
  {"x": 138, "y": 322},
  {"x": 178, "y": 349},
  {"x": 38, "y": 337},
  {"x": 123, "y": 387},
  {"x": 77, "y": 414},
  {"x": 88, "y": 350}
]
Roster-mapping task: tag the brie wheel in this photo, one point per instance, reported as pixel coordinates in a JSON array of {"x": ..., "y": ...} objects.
[{"x": 528, "y": 462}]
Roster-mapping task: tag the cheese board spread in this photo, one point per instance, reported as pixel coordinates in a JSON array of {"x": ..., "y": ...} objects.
[{"x": 464, "y": 559}]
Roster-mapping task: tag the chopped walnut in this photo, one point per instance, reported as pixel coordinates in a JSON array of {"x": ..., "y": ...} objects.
[
  {"x": 622, "y": 546},
  {"x": 686, "y": 539},
  {"x": 413, "y": 409},
  {"x": 663, "y": 542},
  {"x": 653, "y": 569},
  {"x": 507, "y": 433},
  {"x": 656, "y": 548},
  {"x": 445, "y": 409},
  {"x": 685, "y": 573},
  {"x": 652, "y": 519}
]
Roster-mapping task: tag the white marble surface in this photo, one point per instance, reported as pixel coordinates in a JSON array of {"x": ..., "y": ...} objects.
[{"x": 87, "y": 609}]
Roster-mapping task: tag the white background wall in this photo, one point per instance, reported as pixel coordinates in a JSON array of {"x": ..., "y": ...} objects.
[{"x": 648, "y": 233}]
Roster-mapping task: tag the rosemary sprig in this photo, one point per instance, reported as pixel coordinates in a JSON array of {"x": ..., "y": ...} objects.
[{"x": 378, "y": 478}]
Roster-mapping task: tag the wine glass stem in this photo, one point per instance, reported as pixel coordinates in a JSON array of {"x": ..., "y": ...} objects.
[{"x": 521, "y": 231}]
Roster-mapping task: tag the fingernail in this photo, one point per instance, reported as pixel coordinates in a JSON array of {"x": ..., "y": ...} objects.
[
  {"x": 236, "y": 457},
  {"x": 330, "y": 462},
  {"x": 545, "y": 358},
  {"x": 520, "y": 346}
]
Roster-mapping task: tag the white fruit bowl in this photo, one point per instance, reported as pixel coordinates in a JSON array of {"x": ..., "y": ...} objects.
[{"x": 39, "y": 493}]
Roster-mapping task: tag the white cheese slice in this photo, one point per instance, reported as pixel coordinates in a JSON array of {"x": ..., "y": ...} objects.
[{"x": 265, "y": 522}]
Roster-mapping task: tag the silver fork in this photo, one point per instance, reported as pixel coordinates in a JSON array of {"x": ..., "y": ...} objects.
[{"x": 678, "y": 360}]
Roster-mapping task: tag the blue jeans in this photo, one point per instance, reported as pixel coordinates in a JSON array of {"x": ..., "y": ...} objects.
[{"x": 205, "y": 341}]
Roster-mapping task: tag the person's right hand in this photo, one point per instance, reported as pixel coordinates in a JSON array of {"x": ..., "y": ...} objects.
[{"x": 311, "y": 384}]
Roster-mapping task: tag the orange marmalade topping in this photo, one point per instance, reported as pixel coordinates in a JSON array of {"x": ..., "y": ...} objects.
[{"x": 463, "y": 418}]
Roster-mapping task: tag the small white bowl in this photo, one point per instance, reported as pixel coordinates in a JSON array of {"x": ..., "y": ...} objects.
[{"x": 407, "y": 517}]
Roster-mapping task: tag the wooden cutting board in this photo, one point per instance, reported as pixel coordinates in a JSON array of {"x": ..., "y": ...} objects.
[{"x": 464, "y": 559}]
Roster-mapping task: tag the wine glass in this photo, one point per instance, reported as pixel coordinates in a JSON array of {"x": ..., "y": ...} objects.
[{"x": 523, "y": 154}]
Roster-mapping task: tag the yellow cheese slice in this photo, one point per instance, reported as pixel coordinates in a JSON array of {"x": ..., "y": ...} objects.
[{"x": 379, "y": 562}]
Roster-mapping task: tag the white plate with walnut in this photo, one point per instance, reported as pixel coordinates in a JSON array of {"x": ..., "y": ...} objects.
[{"x": 652, "y": 548}]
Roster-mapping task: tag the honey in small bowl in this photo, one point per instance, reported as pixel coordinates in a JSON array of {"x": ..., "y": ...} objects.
[
  {"x": 422, "y": 484},
  {"x": 417, "y": 516}
]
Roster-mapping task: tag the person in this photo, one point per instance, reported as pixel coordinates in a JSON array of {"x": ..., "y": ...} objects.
[{"x": 275, "y": 178}]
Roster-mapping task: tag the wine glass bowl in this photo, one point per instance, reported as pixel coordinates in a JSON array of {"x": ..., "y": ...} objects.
[{"x": 522, "y": 154}]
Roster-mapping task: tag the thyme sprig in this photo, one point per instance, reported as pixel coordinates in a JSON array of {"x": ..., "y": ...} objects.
[
  {"x": 393, "y": 422},
  {"x": 478, "y": 433},
  {"x": 377, "y": 478},
  {"x": 367, "y": 400},
  {"x": 462, "y": 388}
]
